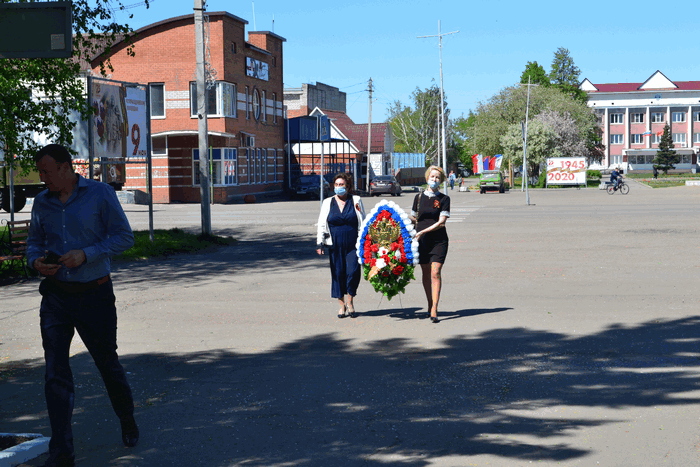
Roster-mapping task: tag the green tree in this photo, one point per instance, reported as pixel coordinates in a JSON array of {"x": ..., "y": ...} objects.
[
  {"x": 541, "y": 143},
  {"x": 535, "y": 73},
  {"x": 462, "y": 145},
  {"x": 38, "y": 95},
  {"x": 493, "y": 118},
  {"x": 415, "y": 129},
  {"x": 565, "y": 74},
  {"x": 666, "y": 158}
]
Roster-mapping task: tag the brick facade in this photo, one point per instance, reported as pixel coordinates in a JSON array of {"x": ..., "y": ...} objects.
[{"x": 246, "y": 128}]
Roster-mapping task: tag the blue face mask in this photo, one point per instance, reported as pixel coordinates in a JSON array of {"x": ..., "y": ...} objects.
[
  {"x": 340, "y": 190},
  {"x": 433, "y": 184}
]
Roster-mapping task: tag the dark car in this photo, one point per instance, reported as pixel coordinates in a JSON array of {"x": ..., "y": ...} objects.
[
  {"x": 308, "y": 185},
  {"x": 384, "y": 184}
]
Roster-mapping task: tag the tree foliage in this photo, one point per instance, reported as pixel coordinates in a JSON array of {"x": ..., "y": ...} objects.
[
  {"x": 565, "y": 74},
  {"x": 534, "y": 74},
  {"x": 462, "y": 147},
  {"x": 507, "y": 108},
  {"x": 666, "y": 158},
  {"x": 541, "y": 143},
  {"x": 415, "y": 129},
  {"x": 38, "y": 95}
]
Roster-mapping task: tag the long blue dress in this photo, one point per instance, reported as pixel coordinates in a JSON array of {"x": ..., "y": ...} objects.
[{"x": 345, "y": 270}]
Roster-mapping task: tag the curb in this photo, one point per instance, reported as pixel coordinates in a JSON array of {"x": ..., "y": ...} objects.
[{"x": 35, "y": 447}]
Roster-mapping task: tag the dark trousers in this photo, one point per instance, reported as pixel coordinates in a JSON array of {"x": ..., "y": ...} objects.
[{"x": 93, "y": 314}]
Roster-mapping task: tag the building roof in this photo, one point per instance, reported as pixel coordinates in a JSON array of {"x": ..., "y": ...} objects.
[
  {"x": 657, "y": 81},
  {"x": 357, "y": 132}
]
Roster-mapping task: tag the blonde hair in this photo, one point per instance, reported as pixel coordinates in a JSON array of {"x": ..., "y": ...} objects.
[{"x": 439, "y": 169}]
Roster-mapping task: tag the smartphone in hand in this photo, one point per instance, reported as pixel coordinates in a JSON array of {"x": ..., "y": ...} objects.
[{"x": 51, "y": 258}]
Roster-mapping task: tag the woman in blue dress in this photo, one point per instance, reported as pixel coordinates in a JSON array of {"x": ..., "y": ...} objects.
[{"x": 338, "y": 228}]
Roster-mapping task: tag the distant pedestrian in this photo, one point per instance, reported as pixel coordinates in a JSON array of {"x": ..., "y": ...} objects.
[
  {"x": 338, "y": 228},
  {"x": 656, "y": 173},
  {"x": 452, "y": 179},
  {"x": 76, "y": 226}
]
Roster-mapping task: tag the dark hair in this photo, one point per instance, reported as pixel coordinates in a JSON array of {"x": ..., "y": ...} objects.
[
  {"x": 348, "y": 181},
  {"x": 56, "y": 152}
]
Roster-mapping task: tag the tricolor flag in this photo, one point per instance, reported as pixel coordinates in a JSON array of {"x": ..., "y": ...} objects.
[
  {"x": 477, "y": 163},
  {"x": 496, "y": 162},
  {"x": 487, "y": 162},
  {"x": 646, "y": 133}
]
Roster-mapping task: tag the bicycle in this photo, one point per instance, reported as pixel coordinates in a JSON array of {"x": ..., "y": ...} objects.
[{"x": 622, "y": 187}]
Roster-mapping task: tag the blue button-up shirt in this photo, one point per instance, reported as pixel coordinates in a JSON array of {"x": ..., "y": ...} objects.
[{"x": 91, "y": 220}]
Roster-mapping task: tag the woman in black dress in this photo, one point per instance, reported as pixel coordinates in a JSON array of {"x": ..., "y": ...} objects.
[
  {"x": 430, "y": 212},
  {"x": 338, "y": 228}
]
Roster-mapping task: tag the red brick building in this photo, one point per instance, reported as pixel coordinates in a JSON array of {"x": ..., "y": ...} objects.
[{"x": 245, "y": 118}]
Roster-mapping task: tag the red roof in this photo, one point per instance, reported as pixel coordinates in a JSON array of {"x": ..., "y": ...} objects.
[
  {"x": 634, "y": 87},
  {"x": 357, "y": 132}
]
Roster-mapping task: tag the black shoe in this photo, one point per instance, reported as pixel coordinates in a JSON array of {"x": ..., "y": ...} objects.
[
  {"x": 434, "y": 319},
  {"x": 130, "y": 433},
  {"x": 60, "y": 460}
]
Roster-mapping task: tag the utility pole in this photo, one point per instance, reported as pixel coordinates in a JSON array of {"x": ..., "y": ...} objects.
[
  {"x": 202, "y": 116},
  {"x": 525, "y": 170},
  {"x": 442, "y": 102},
  {"x": 369, "y": 131}
]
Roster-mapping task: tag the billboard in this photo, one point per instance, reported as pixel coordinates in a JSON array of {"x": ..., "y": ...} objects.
[
  {"x": 566, "y": 171},
  {"x": 119, "y": 127}
]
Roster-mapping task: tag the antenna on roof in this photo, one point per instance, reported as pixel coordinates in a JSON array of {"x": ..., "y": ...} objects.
[
  {"x": 273, "y": 23},
  {"x": 255, "y": 27}
]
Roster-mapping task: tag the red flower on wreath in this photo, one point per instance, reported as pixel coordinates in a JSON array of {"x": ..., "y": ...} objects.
[{"x": 398, "y": 270}]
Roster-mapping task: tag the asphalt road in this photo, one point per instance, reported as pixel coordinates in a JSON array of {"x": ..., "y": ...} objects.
[{"x": 569, "y": 336}]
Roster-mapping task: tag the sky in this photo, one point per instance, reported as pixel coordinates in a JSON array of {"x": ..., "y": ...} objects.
[{"x": 344, "y": 44}]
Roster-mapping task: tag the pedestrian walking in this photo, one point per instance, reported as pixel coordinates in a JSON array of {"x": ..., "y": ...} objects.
[
  {"x": 452, "y": 179},
  {"x": 338, "y": 228},
  {"x": 430, "y": 212},
  {"x": 76, "y": 226}
]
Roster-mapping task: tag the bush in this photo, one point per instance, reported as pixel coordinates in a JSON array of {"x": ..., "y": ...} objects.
[{"x": 593, "y": 174}]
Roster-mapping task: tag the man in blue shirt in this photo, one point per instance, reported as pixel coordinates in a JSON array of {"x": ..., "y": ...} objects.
[
  {"x": 76, "y": 226},
  {"x": 615, "y": 177}
]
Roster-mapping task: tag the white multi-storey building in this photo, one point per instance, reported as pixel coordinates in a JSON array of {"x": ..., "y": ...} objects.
[{"x": 632, "y": 117}]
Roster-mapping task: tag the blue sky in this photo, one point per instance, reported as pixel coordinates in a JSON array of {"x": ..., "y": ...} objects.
[{"x": 343, "y": 44}]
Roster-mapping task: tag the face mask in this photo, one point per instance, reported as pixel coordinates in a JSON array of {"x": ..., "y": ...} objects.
[
  {"x": 340, "y": 190},
  {"x": 433, "y": 184}
]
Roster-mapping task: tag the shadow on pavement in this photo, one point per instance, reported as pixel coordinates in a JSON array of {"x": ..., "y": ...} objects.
[{"x": 323, "y": 401}]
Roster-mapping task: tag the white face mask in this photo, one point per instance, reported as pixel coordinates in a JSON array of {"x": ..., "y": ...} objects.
[{"x": 340, "y": 190}]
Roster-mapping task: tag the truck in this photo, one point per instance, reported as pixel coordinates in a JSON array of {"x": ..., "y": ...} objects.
[{"x": 26, "y": 185}]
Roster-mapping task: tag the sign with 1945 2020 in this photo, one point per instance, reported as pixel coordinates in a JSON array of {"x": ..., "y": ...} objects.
[{"x": 566, "y": 171}]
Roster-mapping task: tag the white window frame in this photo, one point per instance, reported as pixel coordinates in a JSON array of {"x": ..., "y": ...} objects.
[
  {"x": 637, "y": 117},
  {"x": 617, "y": 139},
  {"x": 696, "y": 137},
  {"x": 151, "y": 87},
  {"x": 678, "y": 117},
  {"x": 679, "y": 138},
  {"x": 657, "y": 117},
  {"x": 655, "y": 139},
  {"x": 224, "y": 100},
  {"x": 617, "y": 118},
  {"x": 636, "y": 138},
  {"x": 696, "y": 116}
]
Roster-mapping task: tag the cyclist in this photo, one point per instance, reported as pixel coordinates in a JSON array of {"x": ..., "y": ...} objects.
[{"x": 615, "y": 177}]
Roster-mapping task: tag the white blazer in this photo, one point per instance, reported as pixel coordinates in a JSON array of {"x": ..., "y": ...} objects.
[{"x": 323, "y": 219}]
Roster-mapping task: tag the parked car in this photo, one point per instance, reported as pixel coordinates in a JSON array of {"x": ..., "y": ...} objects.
[
  {"x": 309, "y": 186},
  {"x": 491, "y": 180},
  {"x": 384, "y": 184}
]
